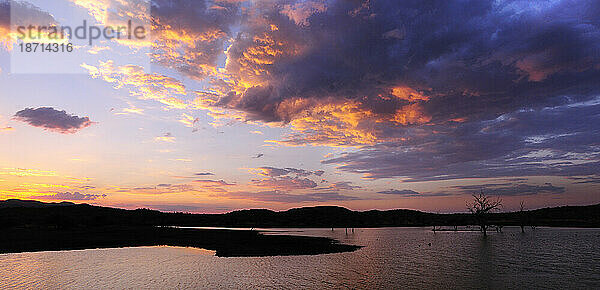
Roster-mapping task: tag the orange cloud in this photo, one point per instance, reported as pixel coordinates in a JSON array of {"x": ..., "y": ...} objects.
[
  {"x": 243, "y": 90},
  {"x": 116, "y": 12},
  {"x": 408, "y": 94},
  {"x": 167, "y": 137},
  {"x": 212, "y": 183},
  {"x": 145, "y": 86},
  {"x": 188, "y": 120},
  {"x": 179, "y": 47},
  {"x": 6, "y": 38},
  {"x": 27, "y": 172},
  {"x": 343, "y": 124},
  {"x": 7, "y": 129},
  {"x": 158, "y": 189}
]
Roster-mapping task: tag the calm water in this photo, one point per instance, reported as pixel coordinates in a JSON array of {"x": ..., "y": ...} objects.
[{"x": 392, "y": 258}]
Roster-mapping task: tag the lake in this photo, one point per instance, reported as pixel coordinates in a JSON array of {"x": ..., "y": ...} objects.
[{"x": 391, "y": 258}]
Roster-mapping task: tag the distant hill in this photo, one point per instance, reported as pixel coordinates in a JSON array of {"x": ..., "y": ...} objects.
[
  {"x": 11, "y": 203},
  {"x": 22, "y": 213}
]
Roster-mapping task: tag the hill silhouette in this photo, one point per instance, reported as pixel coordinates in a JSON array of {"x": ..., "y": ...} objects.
[
  {"x": 36, "y": 226},
  {"x": 20, "y": 213},
  {"x": 12, "y": 203}
]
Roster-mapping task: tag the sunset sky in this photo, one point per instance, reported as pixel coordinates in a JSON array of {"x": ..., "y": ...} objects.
[{"x": 280, "y": 104}]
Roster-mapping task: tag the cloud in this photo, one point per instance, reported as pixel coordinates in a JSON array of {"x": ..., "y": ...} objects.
[
  {"x": 27, "y": 13},
  {"x": 203, "y": 173},
  {"x": 163, "y": 188},
  {"x": 98, "y": 49},
  {"x": 508, "y": 90},
  {"x": 166, "y": 90},
  {"x": 109, "y": 12},
  {"x": 406, "y": 192},
  {"x": 551, "y": 141},
  {"x": 283, "y": 197},
  {"x": 270, "y": 171},
  {"x": 70, "y": 196},
  {"x": 410, "y": 65},
  {"x": 187, "y": 35},
  {"x": 188, "y": 120},
  {"x": 285, "y": 183},
  {"x": 512, "y": 189},
  {"x": 6, "y": 129},
  {"x": 190, "y": 34},
  {"x": 587, "y": 179},
  {"x": 22, "y": 172},
  {"x": 277, "y": 172},
  {"x": 413, "y": 66},
  {"x": 300, "y": 12},
  {"x": 342, "y": 185},
  {"x": 212, "y": 183},
  {"x": 167, "y": 137},
  {"x": 412, "y": 193},
  {"x": 284, "y": 178},
  {"x": 53, "y": 120}
]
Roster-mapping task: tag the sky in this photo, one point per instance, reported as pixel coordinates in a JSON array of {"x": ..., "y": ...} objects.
[{"x": 232, "y": 104}]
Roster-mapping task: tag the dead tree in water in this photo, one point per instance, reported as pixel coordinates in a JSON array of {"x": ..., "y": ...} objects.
[
  {"x": 522, "y": 216},
  {"x": 480, "y": 207}
]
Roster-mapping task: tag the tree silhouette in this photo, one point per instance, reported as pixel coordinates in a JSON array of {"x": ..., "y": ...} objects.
[
  {"x": 522, "y": 218},
  {"x": 481, "y": 206}
]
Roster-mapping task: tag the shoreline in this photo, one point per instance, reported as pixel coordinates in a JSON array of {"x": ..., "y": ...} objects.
[{"x": 225, "y": 243}]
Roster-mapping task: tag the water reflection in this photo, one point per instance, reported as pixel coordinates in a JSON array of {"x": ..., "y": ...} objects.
[{"x": 391, "y": 258}]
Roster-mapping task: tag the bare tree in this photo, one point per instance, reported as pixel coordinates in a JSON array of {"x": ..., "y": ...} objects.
[
  {"x": 522, "y": 215},
  {"x": 481, "y": 206}
]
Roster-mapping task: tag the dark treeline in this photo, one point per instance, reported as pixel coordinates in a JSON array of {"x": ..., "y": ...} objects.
[
  {"x": 18, "y": 214},
  {"x": 34, "y": 226},
  {"x": 226, "y": 243}
]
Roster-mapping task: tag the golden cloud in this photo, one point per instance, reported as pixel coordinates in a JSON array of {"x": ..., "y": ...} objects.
[{"x": 145, "y": 86}]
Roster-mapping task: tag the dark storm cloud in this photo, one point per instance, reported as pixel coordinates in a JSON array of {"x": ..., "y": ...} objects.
[
  {"x": 429, "y": 90},
  {"x": 197, "y": 29},
  {"x": 53, "y": 120},
  {"x": 4, "y": 14},
  {"x": 29, "y": 14},
  {"x": 558, "y": 141},
  {"x": 473, "y": 59}
]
